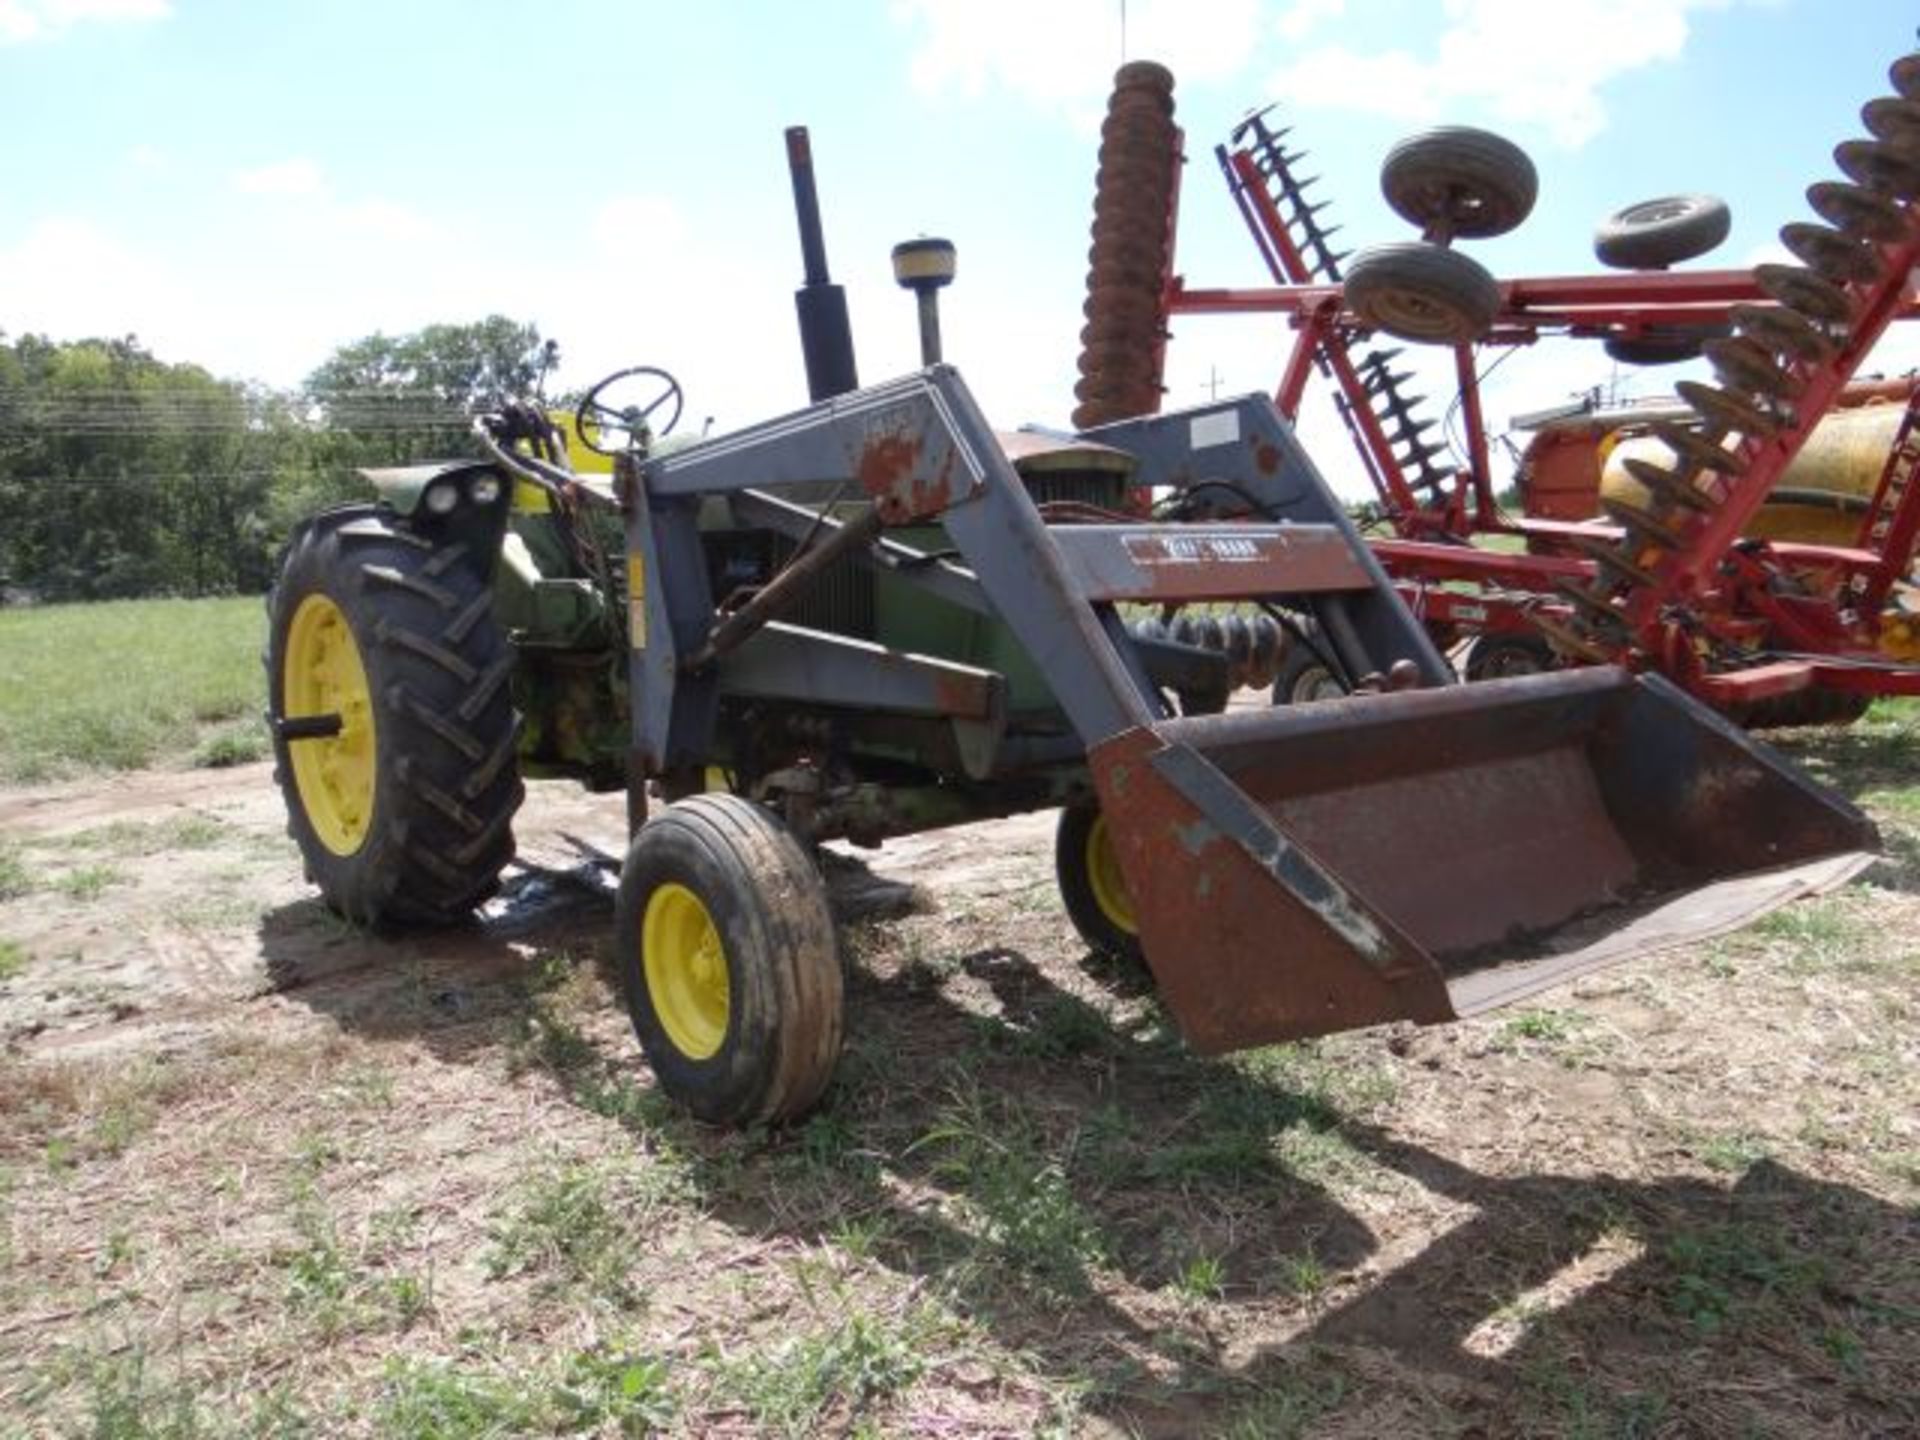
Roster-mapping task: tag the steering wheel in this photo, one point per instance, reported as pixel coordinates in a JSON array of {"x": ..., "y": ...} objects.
[{"x": 597, "y": 422}]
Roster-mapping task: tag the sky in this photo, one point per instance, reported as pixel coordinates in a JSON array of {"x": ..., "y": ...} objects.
[{"x": 248, "y": 184}]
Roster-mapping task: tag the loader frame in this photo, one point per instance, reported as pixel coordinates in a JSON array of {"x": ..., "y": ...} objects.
[{"x": 1233, "y": 831}]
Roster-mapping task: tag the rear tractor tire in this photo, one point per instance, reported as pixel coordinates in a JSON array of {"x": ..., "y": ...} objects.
[
  {"x": 389, "y": 687},
  {"x": 728, "y": 961},
  {"x": 1092, "y": 886}
]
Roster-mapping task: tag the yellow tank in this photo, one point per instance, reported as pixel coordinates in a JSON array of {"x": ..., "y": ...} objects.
[{"x": 1842, "y": 460}]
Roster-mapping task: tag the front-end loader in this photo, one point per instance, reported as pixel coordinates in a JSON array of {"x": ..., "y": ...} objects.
[{"x": 876, "y": 615}]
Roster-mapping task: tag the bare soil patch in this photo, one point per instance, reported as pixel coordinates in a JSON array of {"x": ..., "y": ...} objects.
[{"x": 262, "y": 1173}]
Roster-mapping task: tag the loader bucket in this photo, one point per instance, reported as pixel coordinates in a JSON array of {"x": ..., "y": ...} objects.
[{"x": 1437, "y": 853}]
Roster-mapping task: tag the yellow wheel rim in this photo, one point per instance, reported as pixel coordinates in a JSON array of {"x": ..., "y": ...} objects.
[
  {"x": 321, "y": 674},
  {"x": 1104, "y": 877},
  {"x": 686, "y": 969}
]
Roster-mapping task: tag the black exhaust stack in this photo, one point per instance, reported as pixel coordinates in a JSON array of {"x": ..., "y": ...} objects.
[{"x": 826, "y": 339}]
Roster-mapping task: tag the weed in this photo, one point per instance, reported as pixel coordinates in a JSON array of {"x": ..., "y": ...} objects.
[
  {"x": 853, "y": 1365},
  {"x": 1290, "y": 1407},
  {"x": 125, "y": 1401},
  {"x": 366, "y": 1085},
  {"x": 1542, "y": 1027},
  {"x": 432, "y": 1400},
  {"x": 1062, "y": 1026},
  {"x": 1733, "y": 1153},
  {"x": 136, "y": 837},
  {"x": 594, "y": 1392},
  {"x": 553, "y": 1042},
  {"x": 409, "y": 1297},
  {"x": 1302, "y": 1274},
  {"x": 231, "y": 745},
  {"x": 1204, "y": 1277},
  {"x": 1819, "y": 934},
  {"x": 602, "y": 1389},
  {"x": 569, "y": 1223},
  {"x": 1721, "y": 1274},
  {"x": 1577, "y": 1409},
  {"x": 13, "y": 960},
  {"x": 89, "y": 882},
  {"x": 15, "y": 879},
  {"x": 1017, "y": 1196}
]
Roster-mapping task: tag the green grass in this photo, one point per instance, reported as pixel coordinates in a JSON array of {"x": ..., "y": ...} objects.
[
  {"x": 856, "y": 1363},
  {"x": 13, "y": 959},
  {"x": 15, "y": 878},
  {"x": 122, "y": 684},
  {"x": 594, "y": 1392}
]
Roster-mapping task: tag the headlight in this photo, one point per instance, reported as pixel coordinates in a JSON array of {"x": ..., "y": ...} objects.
[
  {"x": 442, "y": 496},
  {"x": 484, "y": 489}
]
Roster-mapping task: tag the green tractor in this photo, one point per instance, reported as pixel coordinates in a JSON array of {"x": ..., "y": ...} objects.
[{"x": 877, "y": 615}]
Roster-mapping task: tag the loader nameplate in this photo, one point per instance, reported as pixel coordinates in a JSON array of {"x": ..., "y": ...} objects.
[{"x": 1185, "y": 562}]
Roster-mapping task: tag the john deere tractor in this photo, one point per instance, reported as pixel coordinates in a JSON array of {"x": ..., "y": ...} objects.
[{"x": 876, "y": 615}]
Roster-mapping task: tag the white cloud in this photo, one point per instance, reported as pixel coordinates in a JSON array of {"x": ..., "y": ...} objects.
[
  {"x": 148, "y": 159},
  {"x": 1062, "y": 55},
  {"x": 1303, "y": 17},
  {"x": 1516, "y": 60},
  {"x": 330, "y": 271},
  {"x": 23, "y": 20},
  {"x": 284, "y": 177},
  {"x": 624, "y": 223},
  {"x": 384, "y": 220}
]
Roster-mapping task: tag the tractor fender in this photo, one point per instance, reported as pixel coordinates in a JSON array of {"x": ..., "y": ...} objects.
[
  {"x": 404, "y": 487},
  {"x": 475, "y": 521}
]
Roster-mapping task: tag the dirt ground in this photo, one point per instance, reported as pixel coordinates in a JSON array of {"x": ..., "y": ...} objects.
[{"x": 266, "y": 1174}]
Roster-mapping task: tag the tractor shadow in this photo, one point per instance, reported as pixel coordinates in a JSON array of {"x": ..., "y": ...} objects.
[{"x": 1204, "y": 1246}]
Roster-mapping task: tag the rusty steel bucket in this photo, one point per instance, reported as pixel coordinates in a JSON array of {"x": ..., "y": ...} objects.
[{"x": 1438, "y": 853}]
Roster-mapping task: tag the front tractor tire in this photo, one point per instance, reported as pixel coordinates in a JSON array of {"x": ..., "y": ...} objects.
[
  {"x": 394, "y": 731},
  {"x": 1092, "y": 887},
  {"x": 728, "y": 960}
]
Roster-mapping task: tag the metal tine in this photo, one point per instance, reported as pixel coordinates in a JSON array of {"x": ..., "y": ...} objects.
[
  {"x": 1800, "y": 289},
  {"x": 1904, "y": 74},
  {"x": 1608, "y": 557},
  {"x": 1878, "y": 166},
  {"x": 1690, "y": 445},
  {"x": 1384, "y": 380},
  {"x": 1824, "y": 250},
  {"x": 1748, "y": 365},
  {"x": 1598, "y": 606},
  {"x": 1568, "y": 639},
  {"x": 1856, "y": 210},
  {"x": 1728, "y": 409},
  {"x": 1893, "y": 119},
  {"x": 1674, "y": 486},
  {"x": 1646, "y": 522},
  {"x": 1785, "y": 331}
]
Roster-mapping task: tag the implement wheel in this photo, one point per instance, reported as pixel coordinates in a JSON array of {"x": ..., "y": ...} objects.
[
  {"x": 1499, "y": 657},
  {"x": 1422, "y": 293},
  {"x": 1657, "y": 233},
  {"x": 728, "y": 960},
  {"x": 1304, "y": 677},
  {"x": 1471, "y": 183},
  {"x": 394, "y": 730},
  {"x": 1091, "y": 885}
]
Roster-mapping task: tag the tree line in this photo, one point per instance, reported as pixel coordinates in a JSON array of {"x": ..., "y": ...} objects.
[{"x": 124, "y": 475}]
